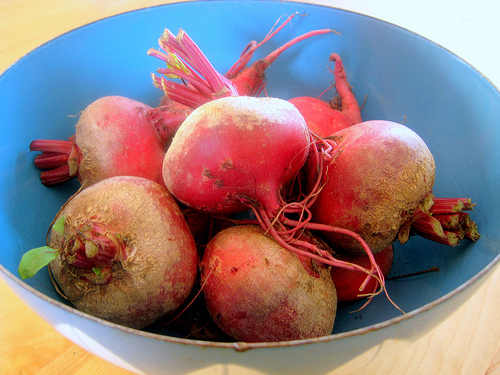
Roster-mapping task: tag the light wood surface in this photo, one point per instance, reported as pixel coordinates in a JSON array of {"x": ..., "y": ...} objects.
[{"x": 467, "y": 343}]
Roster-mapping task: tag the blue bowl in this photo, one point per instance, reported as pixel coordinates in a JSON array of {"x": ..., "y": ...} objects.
[{"x": 405, "y": 78}]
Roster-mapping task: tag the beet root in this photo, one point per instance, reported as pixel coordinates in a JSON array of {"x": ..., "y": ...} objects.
[
  {"x": 257, "y": 291},
  {"x": 235, "y": 152},
  {"x": 114, "y": 136},
  {"x": 126, "y": 252},
  {"x": 381, "y": 175}
]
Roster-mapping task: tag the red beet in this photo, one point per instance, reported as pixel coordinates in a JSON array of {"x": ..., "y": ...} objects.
[
  {"x": 234, "y": 152},
  {"x": 256, "y": 290},
  {"x": 114, "y": 136},
  {"x": 382, "y": 173},
  {"x": 126, "y": 252},
  {"x": 324, "y": 118}
]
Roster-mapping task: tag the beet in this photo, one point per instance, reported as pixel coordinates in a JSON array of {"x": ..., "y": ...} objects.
[
  {"x": 126, "y": 254},
  {"x": 256, "y": 290},
  {"x": 381, "y": 175}
]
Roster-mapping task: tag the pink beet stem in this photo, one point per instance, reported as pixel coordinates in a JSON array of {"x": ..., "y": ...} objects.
[
  {"x": 451, "y": 205},
  {"x": 350, "y": 105},
  {"x": 195, "y": 81},
  {"x": 217, "y": 82},
  {"x": 251, "y": 80},
  {"x": 274, "y": 55},
  {"x": 51, "y": 145},
  {"x": 54, "y": 159},
  {"x": 262, "y": 64},
  {"x": 185, "y": 60},
  {"x": 250, "y": 49},
  {"x": 179, "y": 93}
]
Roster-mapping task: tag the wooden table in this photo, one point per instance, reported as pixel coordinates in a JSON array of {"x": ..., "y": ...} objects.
[{"x": 468, "y": 342}]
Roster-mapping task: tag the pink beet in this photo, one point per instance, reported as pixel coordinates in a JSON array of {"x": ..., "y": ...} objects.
[
  {"x": 256, "y": 290},
  {"x": 114, "y": 136},
  {"x": 125, "y": 252}
]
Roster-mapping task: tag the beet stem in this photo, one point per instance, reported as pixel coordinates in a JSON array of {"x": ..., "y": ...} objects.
[
  {"x": 50, "y": 160},
  {"x": 51, "y": 145},
  {"x": 451, "y": 205},
  {"x": 56, "y": 176},
  {"x": 94, "y": 247},
  {"x": 429, "y": 226},
  {"x": 250, "y": 49},
  {"x": 55, "y": 158},
  {"x": 185, "y": 60},
  {"x": 446, "y": 222},
  {"x": 274, "y": 55},
  {"x": 349, "y": 104}
]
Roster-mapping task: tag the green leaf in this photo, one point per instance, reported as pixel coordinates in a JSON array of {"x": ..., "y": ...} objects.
[
  {"x": 174, "y": 62},
  {"x": 35, "y": 259},
  {"x": 59, "y": 225},
  {"x": 97, "y": 271}
]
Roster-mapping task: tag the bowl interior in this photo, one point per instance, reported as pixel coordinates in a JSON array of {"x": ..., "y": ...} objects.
[{"x": 404, "y": 78}]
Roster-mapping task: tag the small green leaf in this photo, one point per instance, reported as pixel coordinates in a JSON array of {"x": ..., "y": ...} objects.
[
  {"x": 59, "y": 225},
  {"x": 35, "y": 259},
  {"x": 174, "y": 62},
  {"x": 97, "y": 271}
]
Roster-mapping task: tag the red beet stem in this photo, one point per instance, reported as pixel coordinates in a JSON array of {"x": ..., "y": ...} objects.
[
  {"x": 56, "y": 176},
  {"x": 55, "y": 160},
  {"x": 59, "y": 146},
  {"x": 51, "y": 160},
  {"x": 250, "y": 49},
  {"x": 349, "y": 104},
  {"x": 186, "y": 61},
  {"x": 446, "y": 222},
  {"x": 429, "y": 225},
  {"x": 449, "y": 220},
  {"x": 450, "y": 238},
  {"x": 451, "y": 205},
  {"x": 94, "y": 247},
  {"x": 274, "y": 55},
  {"x": 250, "y": 80}
]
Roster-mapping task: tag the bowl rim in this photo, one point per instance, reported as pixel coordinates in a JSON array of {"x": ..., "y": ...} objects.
[{"x": 244, "y": 346}]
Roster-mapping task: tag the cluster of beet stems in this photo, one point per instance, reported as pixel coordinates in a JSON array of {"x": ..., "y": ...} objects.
[{"x": 445, "y": 222}]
